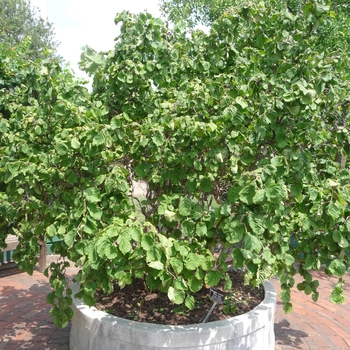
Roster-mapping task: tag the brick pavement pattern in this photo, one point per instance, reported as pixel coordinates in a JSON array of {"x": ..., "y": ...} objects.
[
  {"x": 314, "y": 326},
  {"x": 25, "y": 321}
]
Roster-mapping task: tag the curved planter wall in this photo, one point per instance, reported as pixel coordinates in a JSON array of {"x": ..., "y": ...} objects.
[{"x": 96, "y": 330}]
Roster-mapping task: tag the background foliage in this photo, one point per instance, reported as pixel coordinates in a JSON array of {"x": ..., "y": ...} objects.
[{"x": 18, "y": 19}]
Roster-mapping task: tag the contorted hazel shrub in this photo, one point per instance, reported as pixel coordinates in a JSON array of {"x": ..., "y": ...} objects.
[{"x": 241, "y": 135}]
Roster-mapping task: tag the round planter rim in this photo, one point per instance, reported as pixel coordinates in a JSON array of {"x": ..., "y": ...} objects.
[{"x": 269, "y": 302}]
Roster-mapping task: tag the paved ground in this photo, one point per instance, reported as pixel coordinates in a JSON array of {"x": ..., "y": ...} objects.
[{"x": 25, "y": 322}]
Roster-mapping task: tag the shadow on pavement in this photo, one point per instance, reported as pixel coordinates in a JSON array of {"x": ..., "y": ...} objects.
[
  {"x": 288, "y": 336},
  {"x": 25, "y": 320}
]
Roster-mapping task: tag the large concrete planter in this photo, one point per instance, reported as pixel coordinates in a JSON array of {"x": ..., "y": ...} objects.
[{"x": 96, "y": 330}]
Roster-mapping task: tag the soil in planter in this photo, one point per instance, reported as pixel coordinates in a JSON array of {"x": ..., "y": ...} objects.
[{"x": 135, "y": 302}]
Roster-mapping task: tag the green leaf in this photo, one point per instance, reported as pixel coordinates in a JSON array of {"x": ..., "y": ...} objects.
[
  {"x": 75, "y": 143},
  {"x": 176, "y": 264},
  {"x": 101, "y": 245},
  {"x": 124, "y": 242},
  {"x": 95, "y": 211},
  {"x": 92, "y": 195},
  {"x": 233, "y": 194},
  {"x": 247, "y": 194},
  {"x": 121, "y": 76},
  {"x": 333, "y": 210},
  {"x": 158, "y": 139},
  {"x": 315, "y": 296},
  {"x": 212, "y": 278},
  {"x": 176, "y": 296},
  {"x": 285, "y": 294},
  {"x": 296, "y": 189},
  {"x": 205, "y": 185},
  {"x": 157, "y": 265},
  {"x": 233, "y": 230},
  {"x": 337, "y": 236},
  {"x": 99, "y": 139},
  {"x": 50, "y": 298},
  {"x": 337, "y": 296},
  {"x": 61, "y": 149},
  {"x": 154, "y": 254},
  {"x": 194, "y": 284},
  {"x": 275, "y": 193},
  {"x": 309, "y": 262},
  {"x": 110, "y": 251},
  {"x": 255, "y": 224},
  {"x": 69, "y": 238},
  {"x": 170, "y": 215},
  {"x": 287, "y": 308},
  {"x": 337, "y": 268},
  {"x": 294, "y": 110},
  {"x": 259, "y": 196},
  {"x": 201, "y": 229},
  {"x": 192, "y": 262},
  {"x": 113, "y": 231},
  {"x": 308, "y": 289},
  {"x": 38, "y": 130},
  {"x": 251, "y": 243},
  {"x": 190, "y": 302},
  {"x": 150, "y": 66},
  {"x": 344, "y": 243},
  {"x": 228, "y": 283},
  {"x": 206, "y": 65},
  {"x": 225, "y": 209},
  {"x": 88, "y": 300},
  {"x": 51, "y": 231},
  {"x": 136, "y": 233},
  {"x": 147, "y": 242},
  {"x": 229, "y": 113},
  {"x": 188, "y": 228},
  {"x": 308, "y": 97},
  {"x": 241, "y": 101},
  {"x": 288, "y": 259},
  {"x": 185, "y": 206}
]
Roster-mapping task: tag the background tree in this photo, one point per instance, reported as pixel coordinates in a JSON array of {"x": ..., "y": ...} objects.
[
  {"x": 205, "y": 12},
  {"x": 194, "y": 12},
  {"x": 18, "y": 19}
]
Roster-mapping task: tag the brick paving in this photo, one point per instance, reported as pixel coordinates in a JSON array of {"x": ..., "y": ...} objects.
[
  {"x": 314, "y": 326},
  {"x": 25, "y": 322}
]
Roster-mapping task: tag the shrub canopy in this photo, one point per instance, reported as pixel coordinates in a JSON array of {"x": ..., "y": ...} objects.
[{"x": 241, "y": 135}]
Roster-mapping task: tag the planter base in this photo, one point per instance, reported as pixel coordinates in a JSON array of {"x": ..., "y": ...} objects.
[{"x": 96, "y": 330}]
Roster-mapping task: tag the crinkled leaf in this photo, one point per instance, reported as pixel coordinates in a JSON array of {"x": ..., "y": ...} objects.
[
  {"x": 212, "y": 278},
  {"x": 124, "y": 242},
  {"x": 70, "y": 237},
  {"x": 176, "y": 264},
  {"x": 157, "y": 265},
  {"x": 337, "y": 267},
  {"x": 201, "y": 229},
  {"x": 195, "y": 284},
  {"x": 185, "y": 206},
  {"x": 99, "y": 139},
  {"x": 92, "y": 195},
  {"x": 333, "y": 210},
  {"x": 95, "y": 211},
  {"x": 176, "y": 296},
  {"x": 251, "y": 243},
  {"x": 233, "y": 230},
  {"x": 190, "y": 302},
  {"x": 75, "y": 143},
  {"x": 192, "y": 262}
]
